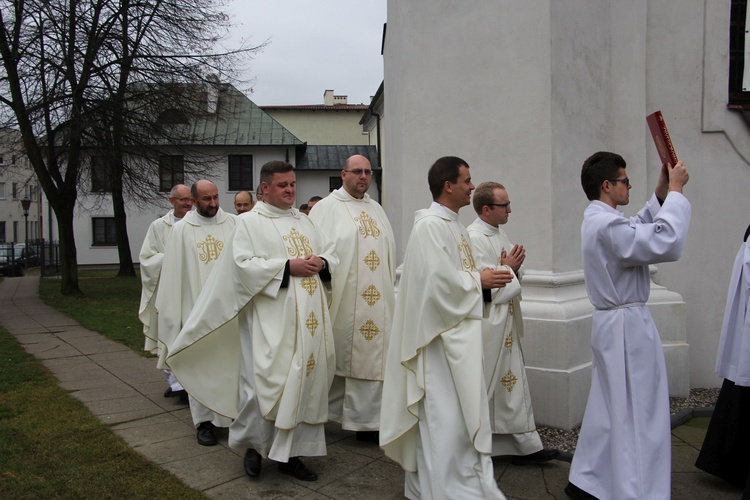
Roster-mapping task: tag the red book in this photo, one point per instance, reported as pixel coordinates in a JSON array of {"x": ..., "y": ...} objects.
[{"x": 661, "y": 138}]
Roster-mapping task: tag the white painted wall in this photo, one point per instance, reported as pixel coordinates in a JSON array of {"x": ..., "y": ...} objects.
[{"x": 524, "y": 92}]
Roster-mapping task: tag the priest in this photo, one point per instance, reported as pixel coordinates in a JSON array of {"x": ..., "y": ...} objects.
[
  {"x": 513, "y": 428},
  {"x": 192, "y": 250},
  {"x": 258, "y": 346},
  {"x": 150, "y": 259},
  {"x": 435, "y": 418},
  {"x": 363, "y": 297}
]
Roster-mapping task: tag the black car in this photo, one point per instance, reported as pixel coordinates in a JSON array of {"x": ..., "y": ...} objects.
[{"x": 15, "y": 258}]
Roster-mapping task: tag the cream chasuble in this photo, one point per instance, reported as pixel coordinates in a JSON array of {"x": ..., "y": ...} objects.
[
  {"x": 505, "y": 371},
  {"x": 279, "y": 373},
  {"x": 437, "y": 335},
  {"x": 362, "y": 286},
  {"x": 191, "y": 252},
  {"x": 150, "y": 258}
]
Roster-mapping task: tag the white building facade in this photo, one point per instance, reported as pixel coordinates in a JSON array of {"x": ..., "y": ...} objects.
[{"x": 524, "y": 92}]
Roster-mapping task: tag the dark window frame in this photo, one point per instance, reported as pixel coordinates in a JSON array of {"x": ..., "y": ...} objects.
[
  {"x": 738, "y": 97},
  {"x": 103, "y": 231},
  {"x": 101, "y": 175},
  {"x": 171, "y": 172},
  {"x": 240, "y": 172}
]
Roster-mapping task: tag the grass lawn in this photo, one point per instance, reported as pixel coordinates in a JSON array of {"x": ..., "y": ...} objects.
[
  {"x": 52, "y": 447},
  {"x": 109, "y": 305}
]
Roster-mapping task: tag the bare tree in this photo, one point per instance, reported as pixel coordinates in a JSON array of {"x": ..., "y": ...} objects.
[{"x": 72, "y": 70}]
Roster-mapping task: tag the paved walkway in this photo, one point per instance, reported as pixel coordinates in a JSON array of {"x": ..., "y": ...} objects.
[{"x": 125, "y": 391}]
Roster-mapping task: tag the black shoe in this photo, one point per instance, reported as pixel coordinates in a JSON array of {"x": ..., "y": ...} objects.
[
  {"x": 539, "y": 457},
  {"x": 206, "y": 435},
  {"x": 296, "y": 468},
  {"x": 577, "y": 493},
  {"x": 368, "y": 436},
  {"x": 182, "y": 396},
  {"x": 168, "y": 393},
  {"x": 252, "y": 463}
]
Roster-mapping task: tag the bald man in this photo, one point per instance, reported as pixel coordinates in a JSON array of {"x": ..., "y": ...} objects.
[{"x": 243, "y": 202}]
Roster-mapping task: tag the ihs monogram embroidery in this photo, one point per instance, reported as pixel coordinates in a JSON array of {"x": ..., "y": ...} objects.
[
  {"x": 211, "y": 249},
  {"x": 367, "y": 225},
  {"x": 467, "y": 259},
  {"x": 300, "y": 244}
]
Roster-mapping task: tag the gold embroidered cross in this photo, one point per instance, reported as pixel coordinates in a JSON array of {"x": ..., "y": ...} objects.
[
  {"x": 312, "y": 323},
  {"x": 509, "y": 341},
  {"x": 310, "y": 284},
  {"x": 372, "y": 260},
  {"x": 371, "y": 295},
  {"x": 369, "y": 330},
  {"x": 211, "y": 249},
  {"x": 310, "y": 365},
  {"x": 367, "y": 225},
  {"x": 508, "y": 381}
]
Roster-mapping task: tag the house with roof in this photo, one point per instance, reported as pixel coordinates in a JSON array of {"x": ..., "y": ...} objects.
[
  {"x": 228, "y": 142},
  {"x": 332, "y": 133}
]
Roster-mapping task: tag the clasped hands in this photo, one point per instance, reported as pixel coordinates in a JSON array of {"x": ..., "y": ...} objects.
[
  {"x": 495, "y": 278},
  {"x": 309, "y": 265}
]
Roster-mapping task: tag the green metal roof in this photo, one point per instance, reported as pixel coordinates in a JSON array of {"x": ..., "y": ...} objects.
[{"x": 237, "y": 121}]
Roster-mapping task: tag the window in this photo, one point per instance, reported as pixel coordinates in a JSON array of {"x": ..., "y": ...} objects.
[
  {"x": 334, "y": 183},
  {"x": 101, "y": 175},
  {"x": 240, "y": 172},
  {"x": 15, "y": 190},
  {"x": 2, "y": 190},
  {"x": 739, "y": 91},
  {"x": 104, "y": 231},
  {"x": 171, "y": 172},
  {"x": 15, "y": 231},
  {"x": 2, "y": 231}
]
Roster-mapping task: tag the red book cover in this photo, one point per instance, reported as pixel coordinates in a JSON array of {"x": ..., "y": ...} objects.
[{"x": 661, "y": 138}]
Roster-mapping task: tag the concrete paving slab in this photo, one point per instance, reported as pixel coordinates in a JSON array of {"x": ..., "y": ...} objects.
[
  {"x": 207, "y": 470},
  {"x": 125, "y": 391},
  {"x": 267, "y": 488}
]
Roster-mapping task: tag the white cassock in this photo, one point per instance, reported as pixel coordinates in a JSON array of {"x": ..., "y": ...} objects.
[
  {"x": 435, "y": 419},
  {"x": 193, "y": 247},
  {"x": 150, "y": 258},
  {"x": 513, "y": 427},
  {"x": 624, "y": 447},
  {"x": 733, "y": 359},
  {"x": 258, "y": 353},
  {"x": 362, "y": 304}
]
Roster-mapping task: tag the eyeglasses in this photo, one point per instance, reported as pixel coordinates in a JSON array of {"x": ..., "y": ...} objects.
[
  {"x": 506, "y": 206},
  {"x": 359, "y": 171},
  {"x": 624, "y": 180}
]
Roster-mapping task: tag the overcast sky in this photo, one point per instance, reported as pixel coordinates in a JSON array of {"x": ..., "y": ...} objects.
[{"x": 313, "y": 46}]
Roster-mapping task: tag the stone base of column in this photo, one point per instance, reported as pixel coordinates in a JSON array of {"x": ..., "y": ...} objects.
[{"x": 557, "y": 343}]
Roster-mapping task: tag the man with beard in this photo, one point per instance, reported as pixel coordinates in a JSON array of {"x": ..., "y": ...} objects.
[{"x": 191, "y": 252}]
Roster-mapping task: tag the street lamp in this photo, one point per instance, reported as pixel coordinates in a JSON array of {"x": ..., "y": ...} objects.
[{"x": 26, "y": 204}]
